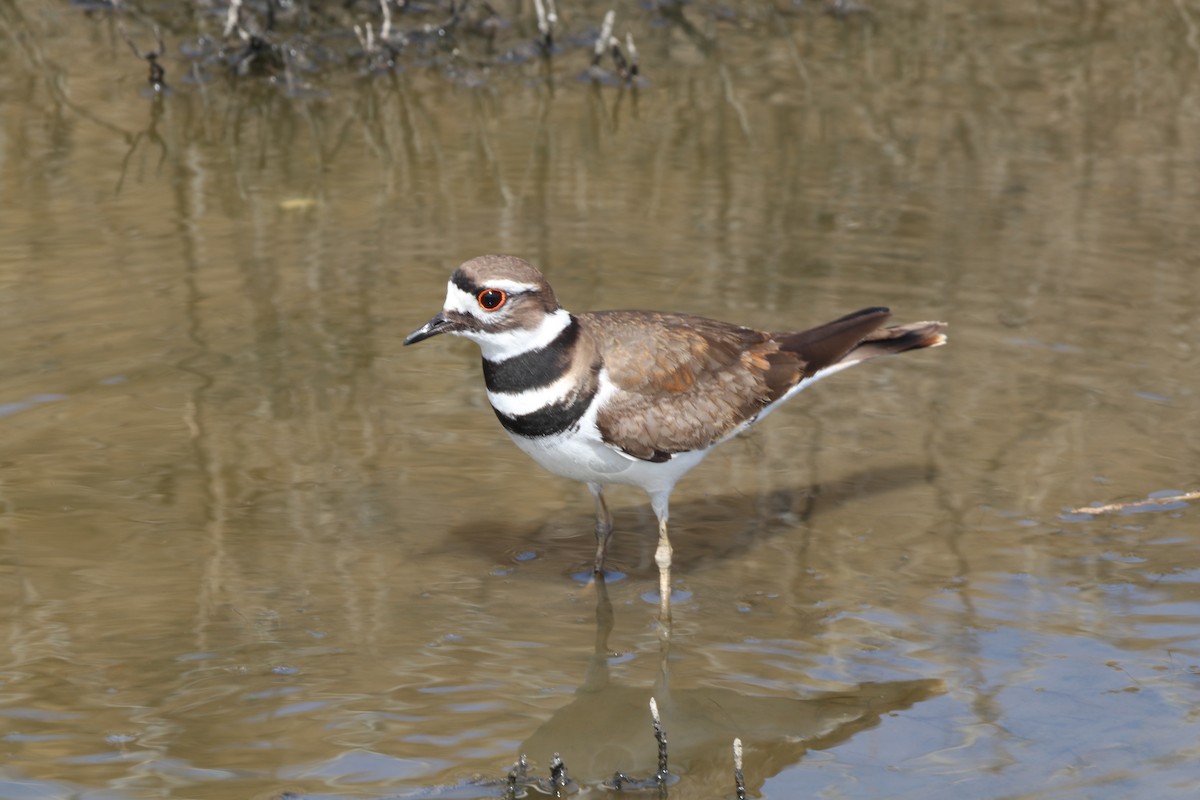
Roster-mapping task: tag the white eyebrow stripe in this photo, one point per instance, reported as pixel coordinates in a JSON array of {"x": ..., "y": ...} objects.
[{"x": 512, "y": 287}]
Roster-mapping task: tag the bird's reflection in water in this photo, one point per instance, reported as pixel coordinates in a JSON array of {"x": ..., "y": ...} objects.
[{"x": 606, "y": 729}]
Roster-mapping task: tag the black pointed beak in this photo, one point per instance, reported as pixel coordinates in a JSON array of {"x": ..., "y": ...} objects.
[{"x": 439, "y": 324}]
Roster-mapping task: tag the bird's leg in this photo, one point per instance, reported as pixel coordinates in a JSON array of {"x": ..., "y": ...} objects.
[
  {"x": 662, "y": 555},
  {"x": 604, "y": 526}
]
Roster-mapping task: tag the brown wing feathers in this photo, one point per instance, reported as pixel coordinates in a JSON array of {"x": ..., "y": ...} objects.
[
  {"x": 686, "y": 381},
  {"x": 691, "y": 381}
]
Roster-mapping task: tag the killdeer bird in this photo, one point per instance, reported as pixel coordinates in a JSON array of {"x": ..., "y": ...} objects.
[{"x": 637, "y": 397}]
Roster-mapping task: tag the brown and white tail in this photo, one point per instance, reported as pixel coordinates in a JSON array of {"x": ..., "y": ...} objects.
[
  {"x": 858, "y": 337},
  {"x": 897, "y": 339}
]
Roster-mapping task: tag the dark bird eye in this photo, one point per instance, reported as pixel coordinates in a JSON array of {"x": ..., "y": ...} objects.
[{"x": 491, "y": 299}]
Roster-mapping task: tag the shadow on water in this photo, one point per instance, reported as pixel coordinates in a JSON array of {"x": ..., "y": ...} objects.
[{"x": 707, "y": 531}]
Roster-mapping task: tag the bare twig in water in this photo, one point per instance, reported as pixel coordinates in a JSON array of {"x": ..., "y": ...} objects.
[
  {"x": 619, "y": 59},
  {"x": 518, "y": 775},
  {"x": 558, "y": 775},
  {"x": 627, "y": 67},
  {"x": 731, "y": 98},
  {"x": 366, "y": 38},
  {"x": 1109, "y": 508},
  {"x": 385, "y": 29},
  {"x": 660, "y": 736},
  {"x": 158, "y": 75},
  {"x": 622, "y": 782},
  {"x": 232, "y": 17},
  {"x": 739, "y": 780},
  {"x": 606, "y": 28},
  {"x": 547, "y": 16}
]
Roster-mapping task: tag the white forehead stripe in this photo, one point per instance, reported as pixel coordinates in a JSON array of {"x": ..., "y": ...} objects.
[
  {"x": 458, "y": 300},
  {"x": 503, "y": 345}
]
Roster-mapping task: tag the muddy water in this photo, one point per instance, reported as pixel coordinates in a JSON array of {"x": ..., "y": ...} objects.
[{"x": 250, "y": 545}]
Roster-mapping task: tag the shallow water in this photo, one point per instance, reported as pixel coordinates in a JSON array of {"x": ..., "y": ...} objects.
[{"x": 250, "y": 545}]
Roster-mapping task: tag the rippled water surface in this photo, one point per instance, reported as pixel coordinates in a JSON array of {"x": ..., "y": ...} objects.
[{"x": 249, "y": 545}]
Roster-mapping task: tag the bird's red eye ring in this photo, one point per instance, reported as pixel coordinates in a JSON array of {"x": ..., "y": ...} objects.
[{"x": 491, "y": 299}]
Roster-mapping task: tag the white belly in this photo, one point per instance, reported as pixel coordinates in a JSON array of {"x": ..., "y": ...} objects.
[{"x": 582, "y": 457}]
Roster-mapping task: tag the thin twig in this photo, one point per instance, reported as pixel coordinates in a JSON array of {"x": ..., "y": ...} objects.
[
  {"x": 660, "y": 736},
  {"x": 1150, "y": 501},
  {"x": 232, "y": 15},
  {"x": 366, "y": 38},
  {"x": 606, "y": 28},
  {"x": 558, "y": 775},
  {"x": 158, "y": 75},
  {"x": 551, "y": 19},
  {"x": 739, "y": 780},
  {"x": 545, "y": 21},
  {"x": 619, "y": 59},
  {"x": 518, "y": 775},
  {"x": 385, "y": 30},
  {"x": 731, "y": 98}
]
